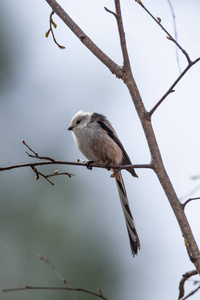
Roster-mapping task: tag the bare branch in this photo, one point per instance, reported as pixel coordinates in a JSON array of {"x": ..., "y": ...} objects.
[
  {"x": 51, "y": 161},
  {"x": 127, "y": 67},
  {"x": 189, "y": 200},
  {"x": 79, "y": 162},
  {"x": 169, "y": 36},
  {"x": 39, "y": 173},
  {"x": 194, "y": 190},
  {"x": 51, "y": 22},
  {"x": 185, "y": 277},
  {"x": 113, "y": 67},
  {"x": 35, "y": 154},
  {"x": 61, "y": 162},
  {"x": 46, "y": 260},
  {"x": 111, "y": 12},
  {"x": 171, "y": 89},
  {"x": 99, "y": 295},
  {"x": 64, "y": 281},
  {"x": 55, "y": 173},
  {"x": 156, "y": 158}
]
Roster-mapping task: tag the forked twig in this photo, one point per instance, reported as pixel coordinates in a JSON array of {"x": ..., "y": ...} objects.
[
  {"x": 35, "y": 170},
  {"x": 51, "y": 161},
  {"x": 64, "y": 281},
  {"x": 51, "y": 22},
  {"x": 169, "y": 36},
  {"x": 174, "y": 40}
]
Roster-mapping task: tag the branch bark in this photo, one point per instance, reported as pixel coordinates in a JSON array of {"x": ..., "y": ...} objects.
[
  {"x": 72, "y": 163},
  {"x": 145, "y": 119},
  {"x": 112, "y": 66},
  {"x": 156, "y": 158}
]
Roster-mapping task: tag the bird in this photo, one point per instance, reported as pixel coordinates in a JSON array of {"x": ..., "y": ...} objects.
[{"x": 98, "y": 142}]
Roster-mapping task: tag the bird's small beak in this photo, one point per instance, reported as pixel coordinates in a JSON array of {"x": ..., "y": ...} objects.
[{"x": 70, "y": 128}]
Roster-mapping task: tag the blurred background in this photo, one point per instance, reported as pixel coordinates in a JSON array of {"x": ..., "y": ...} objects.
[{"x": 78, "y": 223}]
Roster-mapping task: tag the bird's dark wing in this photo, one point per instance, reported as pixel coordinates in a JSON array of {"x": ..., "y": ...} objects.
[{"x": 105, "y": 124}]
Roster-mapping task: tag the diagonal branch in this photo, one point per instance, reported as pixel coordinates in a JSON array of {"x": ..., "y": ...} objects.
[
  {"x": 63, "y": 280},
  {"x": 174, "y": 40},
  {"x": 127, "y": 67},
  {"x": 191, "y": 293},
  {"x": 169, "y": 36},
  {"x": 171, "y": 89},
  {"x": 112, "y": 66}
]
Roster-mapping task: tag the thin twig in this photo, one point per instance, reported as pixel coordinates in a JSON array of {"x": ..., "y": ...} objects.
[
  {"x": 111, "y": 12},
  {"x": 51, "y": 22},
  {"x": 189, "y": 200},
  {"x": 46, "y": 176},
  {"x": 23, "y": 142},
  {"x": 175, "y": 34},
  {"x": 36, "y": 155},
  {"x": 64, "y": 280},
  {"x": 126, "y": 64},
  {"x": 40, "y": 157},
  {"x": 169, "y": 36},
  {"x": 113, "y": 67},
  {"x": 171, "y": 89},
  {"x": 38, "y": 174},
  {"x": 61, "y": 162},
  {"x": 57, "y": 173},
  {"x": 46, "y": 260},
  {"x": 191, "y": 293},
  {"x": 193, "y": 191},
  {"x": 99, "y": 295},
  {"x": 185, "y": 277},
  {"x": 51, "y": 161},
  {"x": 41, "y": 174}
]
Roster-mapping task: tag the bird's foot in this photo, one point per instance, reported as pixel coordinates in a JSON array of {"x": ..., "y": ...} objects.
[
  {"x": 107, "y": 165},
  {"x": 88, "y": 164}
]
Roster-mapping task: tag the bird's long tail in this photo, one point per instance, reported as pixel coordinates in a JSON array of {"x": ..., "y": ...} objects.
[{"x": 130, "y": 224}]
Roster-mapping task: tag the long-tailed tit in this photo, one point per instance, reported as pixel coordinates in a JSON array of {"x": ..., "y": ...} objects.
[{"x": 98, "y": 141}]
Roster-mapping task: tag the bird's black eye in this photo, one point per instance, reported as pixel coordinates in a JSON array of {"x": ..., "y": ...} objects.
[{"x": 78, "y": 121}]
